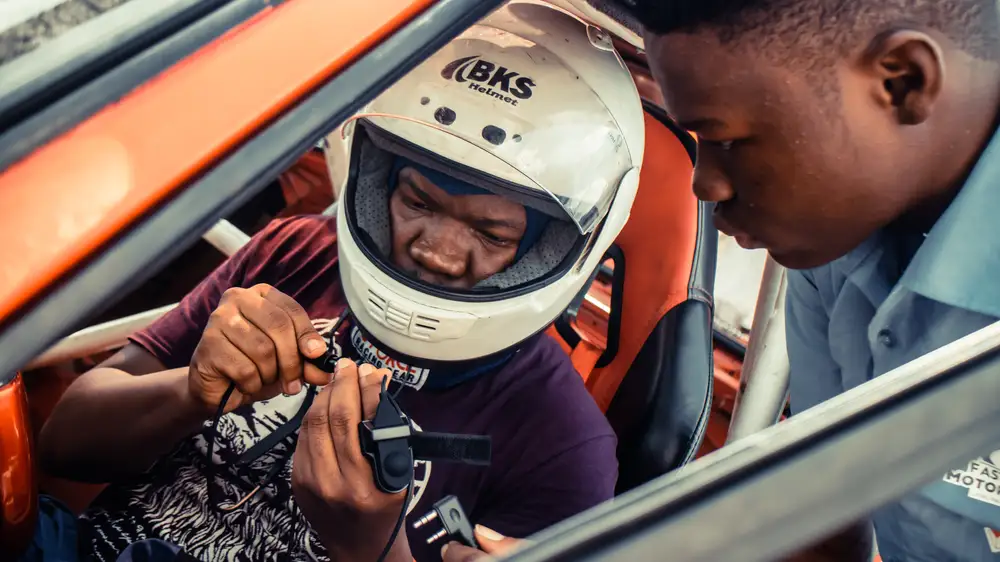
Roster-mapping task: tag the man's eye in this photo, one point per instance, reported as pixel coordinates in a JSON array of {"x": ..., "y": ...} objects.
[
  {"x": 417, "y": 204},
  {"x": 496, "y": 240}
]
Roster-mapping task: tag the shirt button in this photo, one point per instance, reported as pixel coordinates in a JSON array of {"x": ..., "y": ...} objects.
[{"x": 886, "y": 338}]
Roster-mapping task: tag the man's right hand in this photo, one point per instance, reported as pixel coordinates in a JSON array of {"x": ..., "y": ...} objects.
[
  {"x": 255, "y": 338},
  {"x": 492, "y": 544}
]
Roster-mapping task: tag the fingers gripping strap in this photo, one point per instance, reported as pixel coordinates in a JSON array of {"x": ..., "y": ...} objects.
[{"x": 326, "y": 362}]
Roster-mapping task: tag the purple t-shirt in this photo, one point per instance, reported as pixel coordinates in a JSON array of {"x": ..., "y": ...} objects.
[{"x": 553, "y": 450}]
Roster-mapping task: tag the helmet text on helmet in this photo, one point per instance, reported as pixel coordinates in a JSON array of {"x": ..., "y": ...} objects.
[{"x": 499, "y": 80}]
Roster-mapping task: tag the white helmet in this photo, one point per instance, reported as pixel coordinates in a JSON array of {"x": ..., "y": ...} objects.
[{"x": 530, "y": 103}]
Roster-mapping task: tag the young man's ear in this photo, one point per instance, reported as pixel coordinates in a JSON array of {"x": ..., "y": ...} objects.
[{"x": 908, "y": 69}]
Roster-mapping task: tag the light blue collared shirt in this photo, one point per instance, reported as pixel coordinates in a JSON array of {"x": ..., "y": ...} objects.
[{"x": 892, "y": 299}]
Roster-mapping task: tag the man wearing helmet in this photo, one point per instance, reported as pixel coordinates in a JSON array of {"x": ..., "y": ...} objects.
[{"x": 475, "y": 198}]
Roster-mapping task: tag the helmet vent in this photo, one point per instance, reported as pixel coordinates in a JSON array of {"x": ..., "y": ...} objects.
[
  {"x": 425, "y": 323},
  {"x": 413, "y": 320},
  {"x": 397, "y": 317},
  {"x": 389, "y": 313},
  {"x": 424, "y": 326},
  {"x": 376, "y": 304}
]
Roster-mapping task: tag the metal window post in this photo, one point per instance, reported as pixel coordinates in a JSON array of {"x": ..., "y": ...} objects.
[{"x": 764, "y": 377}]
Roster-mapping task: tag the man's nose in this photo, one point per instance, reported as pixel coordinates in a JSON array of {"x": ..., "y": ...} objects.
[
  {"x": 442, "y": 249},
  {"x": 710, "y": 184}
]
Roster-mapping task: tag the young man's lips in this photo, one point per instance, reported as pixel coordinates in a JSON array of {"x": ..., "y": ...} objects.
[
  {"x": 748, "y": 242},
  {"x": 742, "y": 238}
]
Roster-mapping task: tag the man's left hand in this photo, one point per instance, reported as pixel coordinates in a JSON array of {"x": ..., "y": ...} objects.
[{"x": 333, "y": 481}]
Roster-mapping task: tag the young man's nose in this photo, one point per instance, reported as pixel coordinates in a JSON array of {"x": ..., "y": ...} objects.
[
  {"x": 443, "y": 249},
  {"x": 710, "y": 184}
]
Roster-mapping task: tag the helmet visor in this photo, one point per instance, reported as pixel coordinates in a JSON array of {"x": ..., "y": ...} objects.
[{"x": 575, "y": 178}]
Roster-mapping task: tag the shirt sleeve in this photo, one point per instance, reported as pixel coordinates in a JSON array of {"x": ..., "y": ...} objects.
[
  {"x": 564, "y": 485},
  {"x": 815, "y": 375},
  {"x": 173, "y": 337}
]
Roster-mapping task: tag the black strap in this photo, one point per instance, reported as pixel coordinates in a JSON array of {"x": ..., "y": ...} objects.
[
  {"x": 391, "y": 444},
  {"x": 451, "y": 447},
  {"x": 278, "y": 435}
]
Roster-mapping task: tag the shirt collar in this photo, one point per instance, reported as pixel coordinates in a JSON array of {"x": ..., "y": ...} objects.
[
  {"x": 959, "y": 262},
  {"x": 874, "y": 265}
]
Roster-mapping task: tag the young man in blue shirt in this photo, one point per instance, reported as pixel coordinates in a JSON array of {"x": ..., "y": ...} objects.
[{"x": 856, "y": 141}]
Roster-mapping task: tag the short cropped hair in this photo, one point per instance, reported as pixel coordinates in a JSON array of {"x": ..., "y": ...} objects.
[{"x": 822, "y": 27}]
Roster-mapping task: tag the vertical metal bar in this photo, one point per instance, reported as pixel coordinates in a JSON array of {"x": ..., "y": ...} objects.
[{"x": 764, "y": 376}]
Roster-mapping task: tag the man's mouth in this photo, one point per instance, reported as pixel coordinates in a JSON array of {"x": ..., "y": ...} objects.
[
  {"x": 748, "y": 242},
  {"x": 429, "y": 278},
  {"x": 423, "y": 277},
  {"x": 745, "y": 240}
]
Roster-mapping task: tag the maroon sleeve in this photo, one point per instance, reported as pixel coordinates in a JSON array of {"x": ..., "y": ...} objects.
[{"x": 173, "y": 337}]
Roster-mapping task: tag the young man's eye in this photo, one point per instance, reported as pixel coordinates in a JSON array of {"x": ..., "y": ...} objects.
[{"x": 724, "y": 145}]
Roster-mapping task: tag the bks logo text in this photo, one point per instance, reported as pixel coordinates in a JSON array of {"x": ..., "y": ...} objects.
[{"x": 489, "y": 79}]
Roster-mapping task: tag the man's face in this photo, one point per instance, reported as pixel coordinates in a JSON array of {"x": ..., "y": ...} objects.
[
  {"x": 805, "y": 175},
  {"x": 452, "y": 241}
]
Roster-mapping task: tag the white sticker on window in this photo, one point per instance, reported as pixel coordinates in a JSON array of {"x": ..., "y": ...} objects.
[{"x": 981, "y": 478}]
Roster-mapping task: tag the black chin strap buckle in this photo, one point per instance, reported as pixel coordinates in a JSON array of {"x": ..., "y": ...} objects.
[{"x": 392, "y": 445}]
